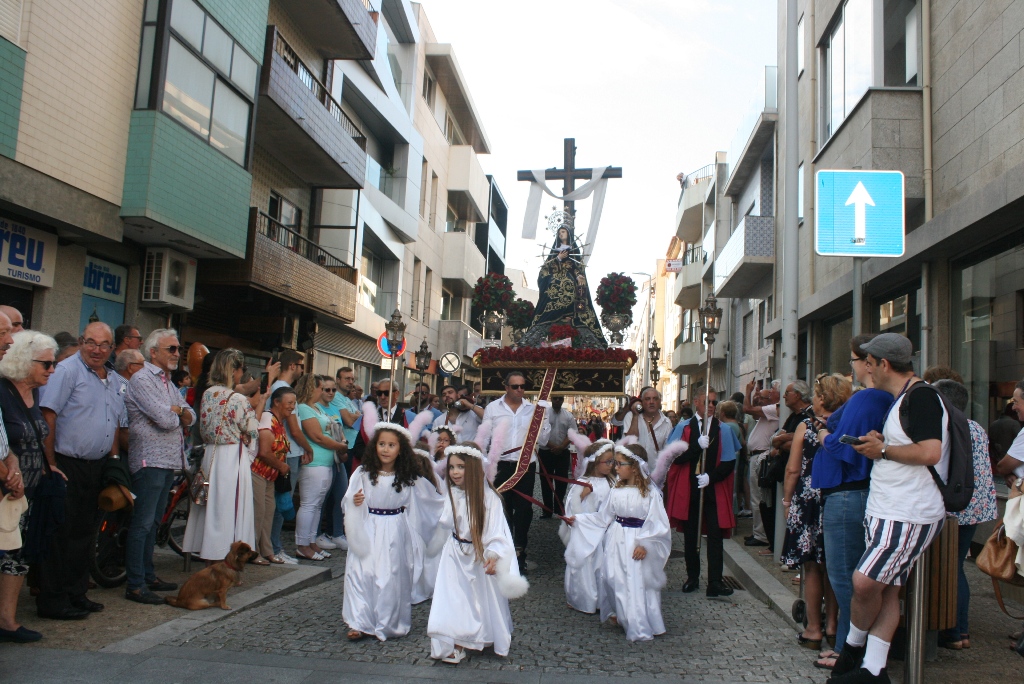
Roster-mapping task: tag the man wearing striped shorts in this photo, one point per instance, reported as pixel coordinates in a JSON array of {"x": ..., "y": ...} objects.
[{"x": 905, "y": 510}]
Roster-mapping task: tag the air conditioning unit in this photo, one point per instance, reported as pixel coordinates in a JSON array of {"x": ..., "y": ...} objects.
[{"x": 168, "y": 279}]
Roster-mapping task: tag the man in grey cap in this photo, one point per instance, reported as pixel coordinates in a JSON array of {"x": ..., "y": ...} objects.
[{"x": 904, "y": 512}]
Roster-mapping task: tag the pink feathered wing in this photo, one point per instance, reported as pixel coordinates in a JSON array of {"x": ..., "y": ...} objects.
[
  {"x": 582, "y": 443},
  {"x": 498, "y": 435},
  {"x": 370, "y": 419},
  {"x": 665, "y": 458},
  {"x": 420, "y": 423}
]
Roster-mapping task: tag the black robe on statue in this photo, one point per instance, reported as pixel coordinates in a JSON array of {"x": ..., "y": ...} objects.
[{"x": 564, "y": 299}]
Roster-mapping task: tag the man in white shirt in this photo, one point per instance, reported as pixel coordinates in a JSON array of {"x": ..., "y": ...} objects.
[
  {"x": 1011, "y": 466},
  {"x": 765, "y": 407},
  {"x": 511, "y": 416},
  {"x": 460, "y": 412},
  {"x": 555, "y": 456},
  {"x": 905, "y": 509},
  {"x": 645, "y": 421}
]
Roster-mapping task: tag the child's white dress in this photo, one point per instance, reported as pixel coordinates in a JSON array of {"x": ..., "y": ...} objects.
[
  {"x": 468, "y": 607},
  {"x": 631, "y": 589},
  {"x": 378, "y": 567},
  {"x": 583, "y": 584}
]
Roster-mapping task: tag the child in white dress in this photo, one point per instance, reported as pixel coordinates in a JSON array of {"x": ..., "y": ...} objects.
[
  {"x": 633, "y": 527},
  {"x": 388, "y": 506},
  {"x": 478, "y": 572},
  {"x": 596, "y": 465}
]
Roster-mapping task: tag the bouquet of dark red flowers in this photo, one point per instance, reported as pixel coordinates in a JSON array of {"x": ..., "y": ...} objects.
[
  {"x": 493, "y": 292},
  {"x": 520, "y": 314},
  {"x": 616, "y": 294}
]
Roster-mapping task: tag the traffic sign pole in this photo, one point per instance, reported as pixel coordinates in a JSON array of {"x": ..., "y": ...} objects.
[{"x": 858, "y": 294}]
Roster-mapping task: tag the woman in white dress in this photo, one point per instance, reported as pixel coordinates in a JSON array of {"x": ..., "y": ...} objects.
[
  {"x": 227, "y": 423},
  {"x": 478, "y": 572},
  {"x": 633, "y": 527},
  {"x": 388, "y": 504},
  {"x": 582, "y": 583}
]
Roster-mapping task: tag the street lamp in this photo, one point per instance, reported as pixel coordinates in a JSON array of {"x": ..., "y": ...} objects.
[
  {"x": 654, "y": 353},
  {"x": 395, "y": 330},
  {"x": 710, "y": 323},
  {"x": 422, "y": 364}
]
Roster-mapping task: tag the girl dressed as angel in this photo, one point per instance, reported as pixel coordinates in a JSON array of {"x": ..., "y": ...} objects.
[
  {"x": 478, "y": 572},
  {"x": 633, "y": 527}
]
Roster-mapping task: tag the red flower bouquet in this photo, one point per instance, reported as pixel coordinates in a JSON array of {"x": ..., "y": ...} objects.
[
  {"x": 493, "y": 292},
  {"x": 520, "y": 314},
  {"x": 616, "y": 294},
  {"x": 561, "y": 331}
]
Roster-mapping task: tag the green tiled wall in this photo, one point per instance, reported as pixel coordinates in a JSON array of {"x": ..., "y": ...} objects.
[
  {"x": 176, "y": 179},
  {"x": 12, "y": 75},
  {"x": 246, "y": 21}
]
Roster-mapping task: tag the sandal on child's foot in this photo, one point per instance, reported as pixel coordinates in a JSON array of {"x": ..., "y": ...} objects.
[
  {"x": 355, "y": 635},
  {"x": 457, "y": 656},
  {"x": 613, "y": 620}
]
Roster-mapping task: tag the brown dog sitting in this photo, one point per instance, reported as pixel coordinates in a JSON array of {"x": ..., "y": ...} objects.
[{"x": 215, "y": 580}]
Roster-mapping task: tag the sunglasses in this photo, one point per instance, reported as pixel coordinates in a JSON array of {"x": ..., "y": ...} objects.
[
  {"x": 330, "y": 389},
  {"x": 384, "y": 393},
  {"x": 517, "y": 387},
  {"x": 173, "y": 349},
  {"x": 47, "y": 365}
]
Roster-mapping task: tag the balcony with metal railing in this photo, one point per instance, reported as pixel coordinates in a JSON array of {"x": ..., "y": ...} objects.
[
  {"x": 302, "y": 125},
  {"x": 337, "y": 29},
  {"x": 289, "y": 265},
  {"x": 690, "y": 209}
]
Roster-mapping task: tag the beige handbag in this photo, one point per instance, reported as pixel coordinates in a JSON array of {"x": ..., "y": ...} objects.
[{"x": 998, "y": 558}]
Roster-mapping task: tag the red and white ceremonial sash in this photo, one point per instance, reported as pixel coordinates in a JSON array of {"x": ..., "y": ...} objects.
[{"x": 532, "y": 433}]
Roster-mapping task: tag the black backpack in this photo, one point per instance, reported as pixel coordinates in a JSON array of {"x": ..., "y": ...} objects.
[{"x": 958, "y": 490}]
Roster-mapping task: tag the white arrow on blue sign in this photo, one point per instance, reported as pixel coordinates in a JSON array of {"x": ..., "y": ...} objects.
[{"x": 859, "y": 213}]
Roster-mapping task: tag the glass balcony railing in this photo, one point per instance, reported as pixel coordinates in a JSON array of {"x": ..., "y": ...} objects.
[
  {"x": 765, "y": 100},
  {"x": 708, "y": 245},
  {"x": 373, "y": 297},
  {"x": 379, "y": 178}
]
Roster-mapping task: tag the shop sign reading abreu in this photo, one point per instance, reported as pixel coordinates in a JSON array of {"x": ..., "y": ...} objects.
[{"x": 27, "y": 254}]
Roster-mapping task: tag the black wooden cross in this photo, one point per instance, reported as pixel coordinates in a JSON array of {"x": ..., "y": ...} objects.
[{"x": 570, "y": 174}]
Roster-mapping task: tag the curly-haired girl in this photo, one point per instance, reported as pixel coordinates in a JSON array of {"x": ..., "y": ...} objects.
[{"x": 390, "y": 503}]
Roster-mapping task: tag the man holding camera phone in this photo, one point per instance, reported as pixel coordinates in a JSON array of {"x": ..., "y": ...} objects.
[
  {"x": 644, "y": 420},
  {"x": 460, "y": 411}
]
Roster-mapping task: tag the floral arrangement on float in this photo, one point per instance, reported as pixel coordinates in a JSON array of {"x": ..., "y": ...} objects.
[
  {"x": 493, "y": 292},
  {"x": 520, "y": 315},
  {"x": 616, "y": 295},
  {"x": 553, "y": 356}
]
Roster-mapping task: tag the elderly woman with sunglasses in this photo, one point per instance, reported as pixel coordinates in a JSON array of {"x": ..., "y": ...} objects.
[
  {"x": 228, "y": 425},
  {"x": 25, "y": 368}
]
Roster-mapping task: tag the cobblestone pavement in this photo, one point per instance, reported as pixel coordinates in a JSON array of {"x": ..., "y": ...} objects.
[{"x": 736, "y": 639}]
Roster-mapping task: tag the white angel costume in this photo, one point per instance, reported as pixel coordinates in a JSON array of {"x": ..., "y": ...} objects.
[
  {"x": 381, "y": 534},
  {"x": 583, "y": 583},
  {"x": 631, "y": 590},
  {"x": 470, "y": 607},
  {"x": 425, "y": 560}
]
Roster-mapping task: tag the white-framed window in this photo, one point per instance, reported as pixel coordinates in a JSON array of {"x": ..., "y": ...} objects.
[
  {"x": 800, "y": 192},
  {"x": 429, "y": 88}
]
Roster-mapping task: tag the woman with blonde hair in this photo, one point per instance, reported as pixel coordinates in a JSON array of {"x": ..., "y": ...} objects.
[
  {"x": 803, "y": 505},
  {"x": 228, "y": 426}
]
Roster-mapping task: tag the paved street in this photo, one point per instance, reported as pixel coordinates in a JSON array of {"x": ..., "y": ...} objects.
[{"x": 707, "y": 640}]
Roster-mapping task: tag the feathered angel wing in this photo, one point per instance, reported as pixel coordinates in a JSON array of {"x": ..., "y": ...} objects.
[
  {"x": 665, "y": 458},
  {"x": 420, "y": 423},
  {"x": 370, "y": 419}
]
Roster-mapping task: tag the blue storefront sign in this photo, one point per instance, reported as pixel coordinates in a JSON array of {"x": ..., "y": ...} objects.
[
  {"x": 27, "y": 255},
  {"x": 103, "y": 292}
]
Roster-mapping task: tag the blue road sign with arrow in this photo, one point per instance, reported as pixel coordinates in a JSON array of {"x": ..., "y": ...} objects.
[{"x": 859, "y": 213}]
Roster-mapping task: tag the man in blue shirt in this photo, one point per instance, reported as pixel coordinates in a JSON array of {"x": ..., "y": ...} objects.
[
  {"x": 82, "y": 405},
  {"x": 843, "y": 476}
]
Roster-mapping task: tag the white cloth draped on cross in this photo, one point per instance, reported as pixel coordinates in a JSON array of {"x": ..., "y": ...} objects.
[{"x": 597, "y": 186}]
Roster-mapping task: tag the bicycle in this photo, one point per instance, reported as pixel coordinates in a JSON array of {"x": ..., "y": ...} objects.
[{"x": 110, "y": 540}]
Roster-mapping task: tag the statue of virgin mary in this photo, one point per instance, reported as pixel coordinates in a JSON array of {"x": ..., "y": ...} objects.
[{"x": 564, "y": 293}]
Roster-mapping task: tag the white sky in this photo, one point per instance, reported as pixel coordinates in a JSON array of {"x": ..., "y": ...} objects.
[{"x": 653, "y": 86}]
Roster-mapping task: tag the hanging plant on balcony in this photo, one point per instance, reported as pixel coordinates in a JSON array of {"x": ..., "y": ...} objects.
[
  {"x": 616, "y": 294},
  {"x": 493, "y": 292},
  {"x": 520, "y": 314}
]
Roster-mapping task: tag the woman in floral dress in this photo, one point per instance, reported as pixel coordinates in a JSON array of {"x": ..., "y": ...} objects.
[
  {"x": 227, "y": 423},
  {"x": 804, "y": 545}
]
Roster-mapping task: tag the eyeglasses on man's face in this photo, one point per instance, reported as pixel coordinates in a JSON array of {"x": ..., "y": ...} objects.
[
  {"x": 90, "y": 343},
  {"x": 173, "y": 349}
]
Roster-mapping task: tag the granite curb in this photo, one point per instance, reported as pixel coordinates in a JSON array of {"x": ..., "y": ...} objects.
[
  {"x": 298, "y": 579},
  {"x": 759, "y": 583}
]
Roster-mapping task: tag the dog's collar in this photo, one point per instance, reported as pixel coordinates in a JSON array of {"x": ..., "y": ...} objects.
[{"x": 232, "y": 566}]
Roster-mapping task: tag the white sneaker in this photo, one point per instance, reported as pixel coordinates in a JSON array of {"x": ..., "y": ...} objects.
[
  {"x": 288, "y": 559},
  {"x": 325, "y": 541}
]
